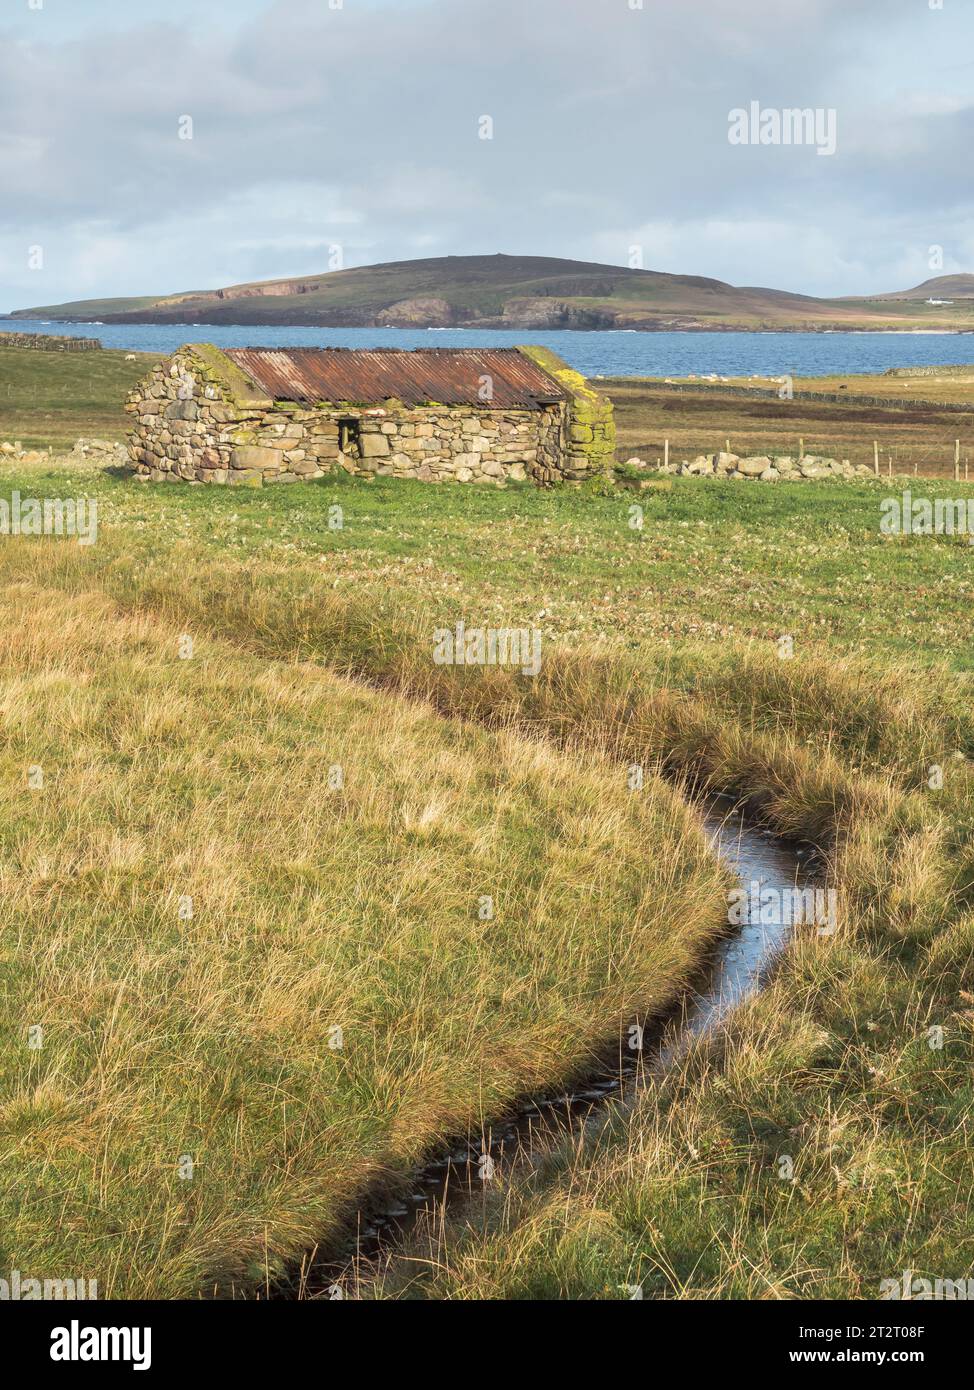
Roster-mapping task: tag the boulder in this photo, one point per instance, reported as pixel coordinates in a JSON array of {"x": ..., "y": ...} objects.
[
  {"x": 373, "y": 445},
  {"x": 254, "y": 456},
  {"x": 753, "y": 467}
]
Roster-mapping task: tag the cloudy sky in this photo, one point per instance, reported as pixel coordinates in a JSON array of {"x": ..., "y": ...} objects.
[{"x": 358, "y": 123}]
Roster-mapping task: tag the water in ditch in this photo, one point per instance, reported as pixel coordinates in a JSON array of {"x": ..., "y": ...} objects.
[{"x": 765, "y": 909}]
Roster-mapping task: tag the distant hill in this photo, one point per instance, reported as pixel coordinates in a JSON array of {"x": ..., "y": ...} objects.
[
  {"x": 516, "y": 292},
  {"x": 942, "y": 287}
]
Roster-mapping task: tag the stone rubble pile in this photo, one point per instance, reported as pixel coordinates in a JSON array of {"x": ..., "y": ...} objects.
[
  {"x": 101, "y": 451},
  {"x": 763, "y": 468},
  {"x": 16, "y": 453}
]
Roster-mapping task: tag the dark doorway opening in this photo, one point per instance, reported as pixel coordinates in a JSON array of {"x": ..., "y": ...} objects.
[{"x": 349, "y": 433}]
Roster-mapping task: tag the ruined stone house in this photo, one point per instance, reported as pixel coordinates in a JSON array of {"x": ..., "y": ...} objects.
[{"x": 251, "y": 416}]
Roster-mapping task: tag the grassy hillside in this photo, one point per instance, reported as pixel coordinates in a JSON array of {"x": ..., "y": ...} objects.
[
  {"x": 941, "y": 287},
  {"x": 508, "y": 291}
]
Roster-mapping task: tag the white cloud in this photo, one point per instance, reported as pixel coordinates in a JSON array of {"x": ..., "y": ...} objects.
[{"x": 359, "y": 125}]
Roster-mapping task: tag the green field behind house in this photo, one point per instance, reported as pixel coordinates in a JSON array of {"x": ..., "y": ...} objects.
[{"x": 50, "y": 399}]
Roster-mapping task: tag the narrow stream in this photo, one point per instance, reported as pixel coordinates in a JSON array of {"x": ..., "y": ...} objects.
[{"x": 769, "y": 871}]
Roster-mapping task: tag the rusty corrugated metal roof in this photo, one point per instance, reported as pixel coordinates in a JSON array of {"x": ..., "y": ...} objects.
[{"x": 447, "y": 376}]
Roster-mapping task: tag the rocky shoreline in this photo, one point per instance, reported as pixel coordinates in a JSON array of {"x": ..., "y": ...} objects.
[{"x": 578, "y": 322}]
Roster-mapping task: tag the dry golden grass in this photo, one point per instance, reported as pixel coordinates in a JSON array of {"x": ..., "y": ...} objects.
[
  {"x": 819, "y": 1144},
  {"x": 167, "y": 1034},
  {"x": 831, "y": 1066}
]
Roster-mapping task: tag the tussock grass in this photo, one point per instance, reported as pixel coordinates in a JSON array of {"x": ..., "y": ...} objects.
[
  {"x": 808, "y": 744},
  {"x": 819, "y": 1144},
  {"x": 830, "y": 1069},
  {"x": 164, "y": 1035},
  {"x": 830, "y": 1066}
]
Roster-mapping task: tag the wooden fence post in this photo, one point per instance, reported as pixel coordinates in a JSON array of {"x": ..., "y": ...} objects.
[
  {"x": 876, "y": 457},
  {"x": 957, "y": 461}
]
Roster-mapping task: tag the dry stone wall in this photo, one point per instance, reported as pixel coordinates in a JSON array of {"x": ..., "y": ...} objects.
[{"x": 49, "y": 342}]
